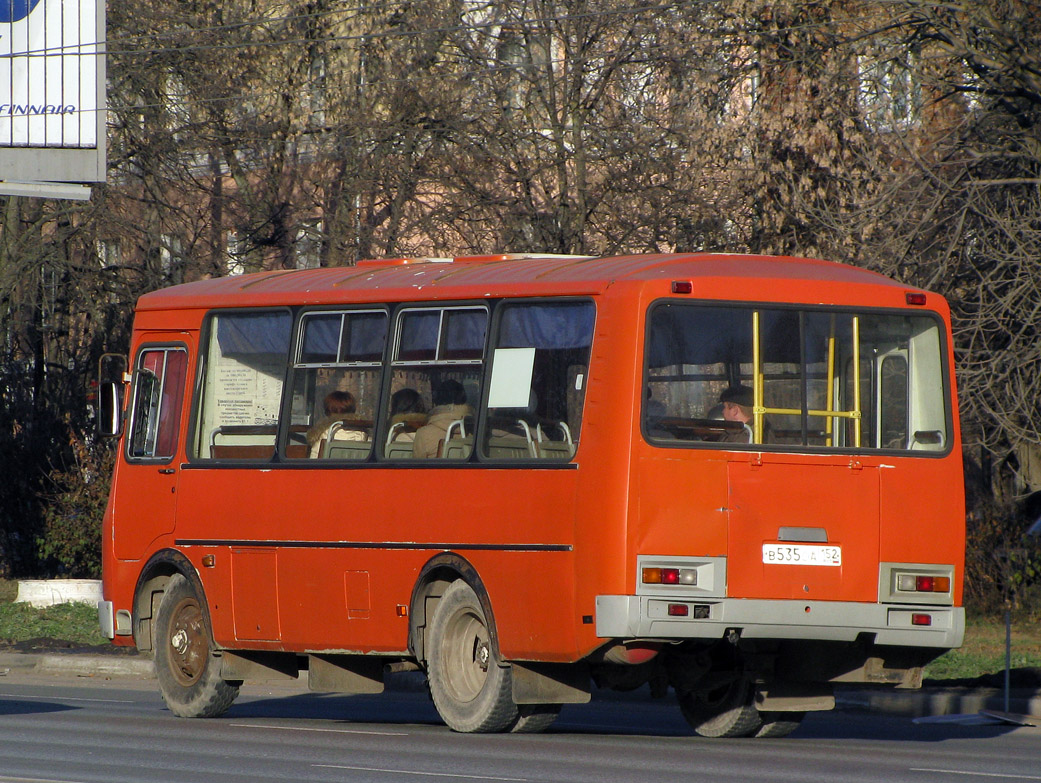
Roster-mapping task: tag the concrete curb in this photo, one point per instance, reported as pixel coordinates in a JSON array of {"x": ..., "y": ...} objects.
[
  {"x": 94, "y": 665},
  {"x": 928, "y": 702},
  {"x": 76, "y": 664},
  {"x": 931, "y": 702}
]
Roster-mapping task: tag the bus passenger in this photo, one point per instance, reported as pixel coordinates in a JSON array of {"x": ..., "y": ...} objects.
[
  {"x": 737, "y": 404},
  {"x": 449, "y": 399},
  {"x": 339, "y": 406},
  {"x": 407, "y": 408}
]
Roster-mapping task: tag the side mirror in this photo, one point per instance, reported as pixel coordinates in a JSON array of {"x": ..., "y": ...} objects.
[
  {"x": 110, "y": 409},
  {"x": 111, "y": 388}
]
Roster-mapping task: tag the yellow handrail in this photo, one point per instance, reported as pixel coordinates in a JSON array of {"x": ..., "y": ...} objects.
[
  {"x": 757, "y": 382},
  {"x": 759, "y": 410}
]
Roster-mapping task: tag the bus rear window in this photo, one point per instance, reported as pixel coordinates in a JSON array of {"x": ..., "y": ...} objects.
[{"x": 747, "y": 376}]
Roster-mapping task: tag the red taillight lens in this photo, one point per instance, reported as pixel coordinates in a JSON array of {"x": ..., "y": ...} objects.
[
  {"x": 932, "y": 584},
  {"x": 670, "y": 576}
]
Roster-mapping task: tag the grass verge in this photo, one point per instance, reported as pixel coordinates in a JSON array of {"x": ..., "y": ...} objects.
[
  {"x": 76, "y": 624},
  {"x": 983, "y": 652}
]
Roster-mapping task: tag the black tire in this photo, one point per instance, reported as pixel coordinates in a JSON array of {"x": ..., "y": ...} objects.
[
  {"x": 779, "y": 724},
  {"x": 471, "y": 688},
  {"x": 724, "y": 711},
  {"x": 187, "y": 670},
  {"x": 534, "y": 718}
]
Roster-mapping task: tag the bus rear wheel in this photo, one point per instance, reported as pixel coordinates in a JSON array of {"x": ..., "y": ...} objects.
[
  {"x": 723, "y": 711},
  {"x": 534, "y": 718},
  {"x": 779, "y": 724},
  {"x": 185, "y": 665},
  {"x": 471, "y": 688}
]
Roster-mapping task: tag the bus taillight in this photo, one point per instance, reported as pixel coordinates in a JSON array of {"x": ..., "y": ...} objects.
[
  {"x": 670, "y": 576},
  {"x": 918, "y": 583}
]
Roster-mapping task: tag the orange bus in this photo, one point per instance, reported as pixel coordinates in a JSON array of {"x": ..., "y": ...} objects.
[{"x": 736, "y": 476}]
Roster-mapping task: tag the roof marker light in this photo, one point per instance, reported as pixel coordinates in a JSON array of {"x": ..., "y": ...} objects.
[
  {"x": 682, "y": 287},
  {"x": 915, "y": 298}
]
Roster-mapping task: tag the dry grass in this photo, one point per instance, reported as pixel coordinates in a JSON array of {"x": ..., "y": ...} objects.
[{"x": 984, "y": 649}]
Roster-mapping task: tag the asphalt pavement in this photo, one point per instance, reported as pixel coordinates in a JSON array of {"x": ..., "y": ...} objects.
[{"x": 1022, "y": 704}]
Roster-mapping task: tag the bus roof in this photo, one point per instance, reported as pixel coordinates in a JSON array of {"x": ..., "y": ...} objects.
[{"x": 493, "y": 276}]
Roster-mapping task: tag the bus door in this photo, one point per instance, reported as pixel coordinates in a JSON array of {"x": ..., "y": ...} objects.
[
  {"x": 807, "y": 527},
  {"x": 802, "y": 531},
  {"x": 145, "y": 506}
]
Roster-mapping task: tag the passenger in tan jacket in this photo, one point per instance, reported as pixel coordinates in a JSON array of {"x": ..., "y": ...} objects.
[{"x": 449, "y": 405}]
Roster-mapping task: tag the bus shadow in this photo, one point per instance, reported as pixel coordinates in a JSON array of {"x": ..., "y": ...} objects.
[
  {"x": 605, "y": 717},
  {"x": 34, "y": 707},
  {"x": 874, "y": 726},
  {"x": 383, "y": 709}
]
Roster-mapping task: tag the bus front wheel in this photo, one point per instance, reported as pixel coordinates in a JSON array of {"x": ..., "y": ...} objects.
[
  {"x": 185, "y": 666},
  {"x": 471, "y": 688}
]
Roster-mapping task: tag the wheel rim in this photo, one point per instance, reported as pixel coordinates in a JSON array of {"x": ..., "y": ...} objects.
[
  {"x": 466, "y": 654},
  {"x": 188, "y": 642}
]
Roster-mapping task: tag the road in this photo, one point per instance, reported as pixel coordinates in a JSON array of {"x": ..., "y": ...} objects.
[{"x": 90, "y": 730}]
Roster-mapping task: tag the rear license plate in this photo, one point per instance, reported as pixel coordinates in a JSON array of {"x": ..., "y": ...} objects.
[{"x": 802, "y": 554}]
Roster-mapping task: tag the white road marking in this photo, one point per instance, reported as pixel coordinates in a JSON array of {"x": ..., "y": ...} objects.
[
  {"x": 326, "y": 731},
  {"x": 976, "y": 774},
  {"x": 414, "y": 772}
]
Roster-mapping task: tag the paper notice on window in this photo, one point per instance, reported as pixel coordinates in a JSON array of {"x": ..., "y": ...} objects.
[{"x": 248, "y": 394}]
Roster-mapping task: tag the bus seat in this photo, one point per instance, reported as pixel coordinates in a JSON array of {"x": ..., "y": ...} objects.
[
  {"x": 458, "y": 448},
  {"x": 347, "y": 449},
  {"x": 507, "y": 445},
  {"x": 556, "y": 449},
  {"x": 401, "y": 449},
  {"x": 457, "y": 444},
  {"x": 394, "y": 448},
  {"x": 352, "y": 444}
]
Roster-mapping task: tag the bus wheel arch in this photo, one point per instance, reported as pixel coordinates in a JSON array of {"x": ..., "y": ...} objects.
[
  {"x": 151, "y": 585},
  {"x": 434, "y": 579}
]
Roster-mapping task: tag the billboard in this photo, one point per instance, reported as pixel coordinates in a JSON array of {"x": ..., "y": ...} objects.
[{"x": 52, "y": 96}]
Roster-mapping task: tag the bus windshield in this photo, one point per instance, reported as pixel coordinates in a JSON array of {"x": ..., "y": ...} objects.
[{"x": 819, "y": 379}]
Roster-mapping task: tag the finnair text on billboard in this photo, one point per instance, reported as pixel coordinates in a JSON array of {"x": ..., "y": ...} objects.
[{"x": 49, "y": 73}]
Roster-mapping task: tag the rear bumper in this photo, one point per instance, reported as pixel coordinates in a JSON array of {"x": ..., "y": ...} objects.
[{"x": 644, "y": 616}]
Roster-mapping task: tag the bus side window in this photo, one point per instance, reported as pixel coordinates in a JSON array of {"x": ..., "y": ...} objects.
[
  {"x": 241, "y": 391},
  {"x": 156, "y": 403},
  {"x": 337, "y": 371},
  {"x": 538, "y": 381},
  {"x": 435, "y": 385}
]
